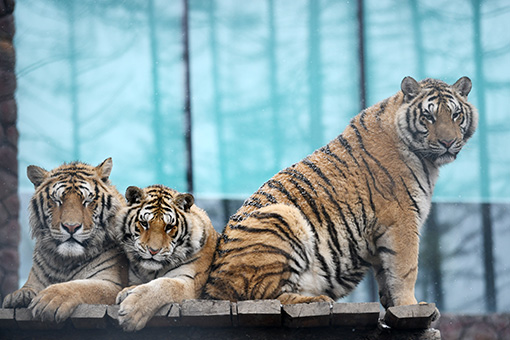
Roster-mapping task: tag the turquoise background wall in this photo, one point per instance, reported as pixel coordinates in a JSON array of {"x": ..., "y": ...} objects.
[{"x": 271, "y": 81}]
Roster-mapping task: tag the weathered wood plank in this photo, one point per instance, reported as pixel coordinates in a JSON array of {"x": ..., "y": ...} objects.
[
  {"x": 233, "y": 315},
  {"x": 112, "y": 313},
  {"x": 411, "y": 317},
  {"x": 7, "y": 318},
  {"x": 363, "y": 315},
  {"x": 315, "y": 314},
  {"x": 259, "y": 313},
  {"x": 90, "y": 317},
  {"x": 167, "y": 316},
  {"x": 25, "y": 320},
  {"x": 206, "y": 313}
]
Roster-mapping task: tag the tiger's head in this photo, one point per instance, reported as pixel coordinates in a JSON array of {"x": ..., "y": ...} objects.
[
  {"x": 154, "y": 227},
  {"x": 436, "y": 120},
  {"x": 73, "y": 208}
]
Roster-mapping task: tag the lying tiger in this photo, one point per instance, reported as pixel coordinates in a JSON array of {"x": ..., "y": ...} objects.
[
  {"x": 76, "y": 259},
  {"x": 311, "y": 232},
  {"x": 170, "y": 243}
]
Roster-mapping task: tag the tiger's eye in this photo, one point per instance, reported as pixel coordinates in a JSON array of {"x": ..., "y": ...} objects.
[{"x": 429, "y": 118}]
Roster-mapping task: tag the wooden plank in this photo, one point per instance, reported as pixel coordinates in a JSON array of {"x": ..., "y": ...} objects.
[
  {"x": 25, "y": 320},
  {"x": 167, "y": 316},
  {"x": 112, "y": 314},
  {"x": 359, "y": 315},
  {"x": 315, "y": 314},
  {"x": 90, "y": 317},
  {"x": 206, "y": 313},
  {"x": 7, "y": 318},
  {"x": 234, "y": 318},
  {"x": 411, "y": 317},
  {"x": 259, "y": 313}
]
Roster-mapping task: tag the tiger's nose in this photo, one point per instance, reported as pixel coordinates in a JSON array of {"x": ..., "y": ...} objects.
[
  {"x": 153, "y": 251},
  {"x": 447, "y": 142},
  {"x": 71, "y": 228}
]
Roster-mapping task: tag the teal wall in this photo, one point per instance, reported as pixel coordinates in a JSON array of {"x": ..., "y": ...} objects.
[{"x": 271, "y": 81}]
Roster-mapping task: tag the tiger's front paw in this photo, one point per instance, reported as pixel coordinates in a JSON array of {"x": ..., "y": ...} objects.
[
  {"x": 54, "y": 304},
  {"x": 20, "y": 298},
  {"x": 137, "y": 307},
  {"x": 123, "y": 294}
]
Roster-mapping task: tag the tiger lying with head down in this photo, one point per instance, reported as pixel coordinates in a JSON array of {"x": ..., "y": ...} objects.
[
  {"x": 311, "y": 232},
  {"x": 170, "y": 243},
  {"x": 75, "y": 260}
]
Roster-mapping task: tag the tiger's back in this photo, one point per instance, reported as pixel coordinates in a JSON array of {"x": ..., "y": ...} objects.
[{"x": 360, "y": 201}]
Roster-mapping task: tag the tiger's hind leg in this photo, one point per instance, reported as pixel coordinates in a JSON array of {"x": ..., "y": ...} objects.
[
  {"x": 261, "y": 256},
  {"x": 293, "y": 298}
]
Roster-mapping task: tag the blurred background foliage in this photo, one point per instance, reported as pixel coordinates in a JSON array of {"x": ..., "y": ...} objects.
[{"x": 271, "y": 81}]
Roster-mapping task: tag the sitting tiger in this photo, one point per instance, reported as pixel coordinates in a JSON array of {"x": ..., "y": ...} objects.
[
  {"x": 170, "y": 243},
  {"x": 75, "y": 259},
  {"x": 311, "y": 232}
]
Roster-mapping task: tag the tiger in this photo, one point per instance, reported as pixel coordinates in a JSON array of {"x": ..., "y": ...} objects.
[
  {"x": 312, "y": 231},
  {"x": 76, "y": 259},
  {"x": 169, "y": 243}
]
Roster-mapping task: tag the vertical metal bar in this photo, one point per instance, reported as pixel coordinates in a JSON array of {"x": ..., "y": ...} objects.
[
  {"x": 432, "y": 234},
  {"x": 156, "y": 99},
  {"x": 484, "y": 161},
  {"x": 315, "y": 74},
  {"x": 361, "y": 55},
  {"x": 74, "y": 86},
  {"x": 273, "y": 87},
  {"x": 488, "y": 259},
  {"x": 435, "y": 258},
  {"x": 418, "y": 39},
  {"x": 187, "y": 97},
  {"x": 372, "y": 287}
]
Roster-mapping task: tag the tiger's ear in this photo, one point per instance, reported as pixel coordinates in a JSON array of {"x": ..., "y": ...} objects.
[
  {"x": 104, "y": 169},
  {"x": 36, "y": 175},
  {"x": 134, "y": 195},
  {"x": 410, "y": 88},
  {"x": 184, "y": 201},
  {"x": 463, "y": 86}
]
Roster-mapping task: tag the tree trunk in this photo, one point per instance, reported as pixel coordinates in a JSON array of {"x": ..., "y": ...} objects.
[{"x": 9, "y": 201}]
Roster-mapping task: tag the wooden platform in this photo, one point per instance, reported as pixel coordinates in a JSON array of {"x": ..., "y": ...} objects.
[{"x": 209, "y": 319}]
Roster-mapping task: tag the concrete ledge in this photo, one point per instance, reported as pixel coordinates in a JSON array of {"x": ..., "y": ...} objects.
[{"x": 209, "y": 319}]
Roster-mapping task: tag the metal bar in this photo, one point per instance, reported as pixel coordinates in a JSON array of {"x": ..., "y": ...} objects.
[
  {"x": 157, "y": 127},
  {"x": 74, "y": 86},
  {"x": 361, "y": 56},
  {"x": 484, "y": 161},
  {"x": 187, "y": 97},
  {"x": 372, "y": 286}
]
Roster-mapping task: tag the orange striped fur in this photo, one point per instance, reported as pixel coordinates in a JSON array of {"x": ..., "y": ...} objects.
[
  {"x": 169, "y": 242},
  {"x": 312, "y": 231}
]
